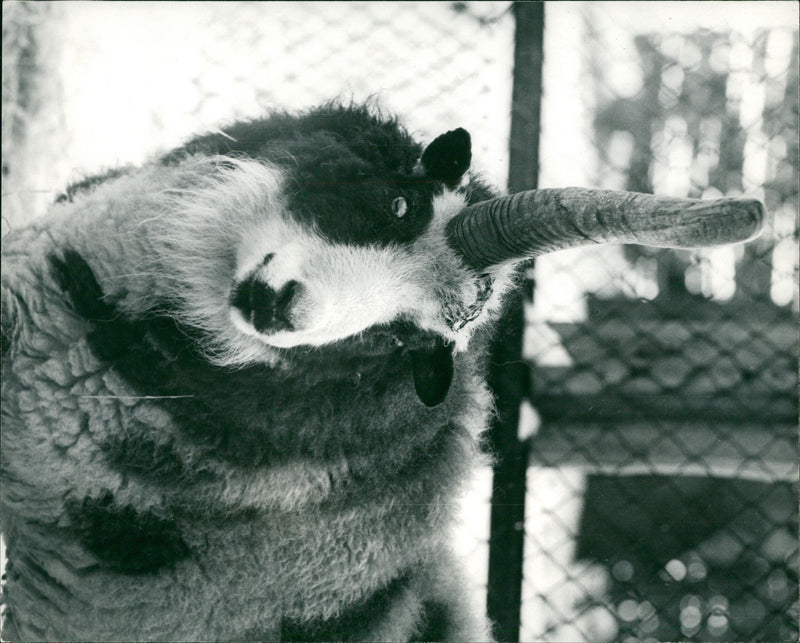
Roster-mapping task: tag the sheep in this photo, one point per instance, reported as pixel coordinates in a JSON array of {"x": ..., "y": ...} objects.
[{"x": 243, "y": 383}]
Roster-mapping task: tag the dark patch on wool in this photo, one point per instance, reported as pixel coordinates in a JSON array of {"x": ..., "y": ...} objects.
[
  {"x": 355, "y": 622},
  {"x": 6, "y": 331},
  {"x": 378, "y": 140},
  {"x": 88, "y": 184},
  {"x": 346, "y": 165},
  {"x": 435, "y": 623},
  {"x": 125, "y": 539},
  {"x": 109, "y": 334},
  {"x": 257, "y": 415},
  {"x": 348, "y": 199},
  {"x": 9, "y": 627},
  {"x": 322, "y": 405},
  {"x": 75, "y": 277},
  {"x": 138, "y": 453}
]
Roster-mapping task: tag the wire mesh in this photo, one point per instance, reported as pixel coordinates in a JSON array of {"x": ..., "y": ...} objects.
[
  {"x": 112, "y": 83},
  {"x": 92, "y": 86},
  {"x": 662, "y": 491},
  {"x": 662, "y": 495}
]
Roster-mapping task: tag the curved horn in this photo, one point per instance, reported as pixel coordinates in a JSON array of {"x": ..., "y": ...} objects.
[{"x": 528, "y": 224}]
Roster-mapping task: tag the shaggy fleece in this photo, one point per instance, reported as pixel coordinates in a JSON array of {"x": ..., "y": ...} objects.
[{"x": 153, "y": 490}]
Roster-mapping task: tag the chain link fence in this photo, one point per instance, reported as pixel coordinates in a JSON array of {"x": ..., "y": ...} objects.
[
  {"x": 663, "y": 488},
  {"x": 103, "y": 84},
  {"x": 92, "y": 86},
  {"x": 662, "y": 417}
]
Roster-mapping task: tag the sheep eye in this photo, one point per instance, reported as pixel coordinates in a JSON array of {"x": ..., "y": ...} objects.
[{"x": 399, "y": 207}]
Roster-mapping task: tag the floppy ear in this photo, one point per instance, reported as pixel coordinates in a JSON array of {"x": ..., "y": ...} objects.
[
  {"x": 448, "y": 156},
  {"x": 433, "y": 372}
]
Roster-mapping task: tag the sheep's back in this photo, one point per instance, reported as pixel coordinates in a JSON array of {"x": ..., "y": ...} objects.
[{"x": 146, "y": 490}]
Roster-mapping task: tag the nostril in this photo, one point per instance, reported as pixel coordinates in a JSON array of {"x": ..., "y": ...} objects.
[
  {"x": 265, "y": 308},
  {"x": 241, "y": 298},
  {"x": 279, "y": 312},
  {"x": 285, "y": 298},
  {"x": 262, "y": 305}
]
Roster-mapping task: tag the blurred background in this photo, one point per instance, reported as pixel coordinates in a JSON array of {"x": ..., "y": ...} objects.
[{"x": 646, "y": 486}]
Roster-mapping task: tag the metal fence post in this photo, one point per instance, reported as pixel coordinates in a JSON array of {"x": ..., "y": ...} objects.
[{"x": 508, "y": 373}]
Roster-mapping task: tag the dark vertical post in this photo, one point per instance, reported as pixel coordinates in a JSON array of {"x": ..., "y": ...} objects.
[
  {"x": 526, "y": 96},
  {"x": 508, "y": 374}
]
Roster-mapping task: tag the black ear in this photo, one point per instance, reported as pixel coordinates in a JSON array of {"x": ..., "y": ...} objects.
[
  {"x": 433, "y": 372},
  {"x": 448, "y": 156}
]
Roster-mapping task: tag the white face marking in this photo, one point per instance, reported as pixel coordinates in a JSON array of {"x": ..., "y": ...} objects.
[
  {"x": 343, "y": 289},
  {"x": 232, "y": 227}
]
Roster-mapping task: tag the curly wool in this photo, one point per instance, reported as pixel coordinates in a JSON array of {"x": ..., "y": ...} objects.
[{"x": 152, "y": 493}]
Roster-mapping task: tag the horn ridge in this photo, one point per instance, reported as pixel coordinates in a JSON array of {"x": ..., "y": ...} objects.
[{"x": 531, "y": 223}]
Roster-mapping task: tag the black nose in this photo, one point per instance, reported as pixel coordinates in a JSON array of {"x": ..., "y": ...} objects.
[{"x": 267, "y": 309}]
